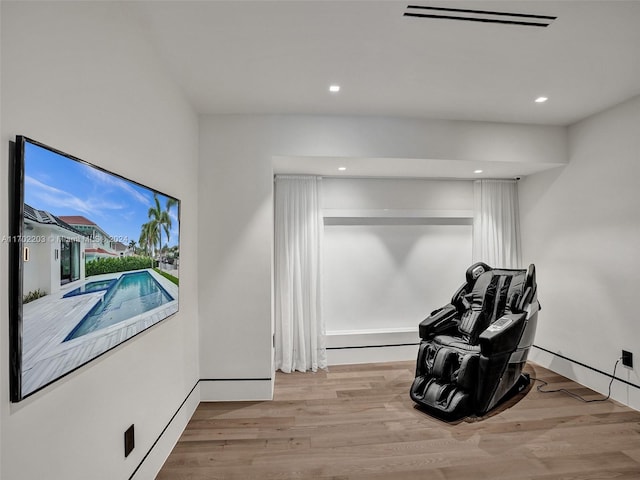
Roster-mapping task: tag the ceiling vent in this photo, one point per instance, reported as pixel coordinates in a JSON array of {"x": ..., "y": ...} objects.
[{"x": 505, "y": 18}]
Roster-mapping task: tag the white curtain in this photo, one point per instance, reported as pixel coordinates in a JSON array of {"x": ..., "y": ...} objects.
[
  {"x": 299, "y": 329},
  {"x": 496, "y": 223}
]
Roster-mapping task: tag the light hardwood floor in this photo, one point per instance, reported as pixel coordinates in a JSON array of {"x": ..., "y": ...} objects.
[{"x": 358, "y": 422}]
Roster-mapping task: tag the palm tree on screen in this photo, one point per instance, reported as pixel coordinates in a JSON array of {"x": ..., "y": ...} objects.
[
  {"x": 149, "y": 236},
  {"x": 171, "y": 202},
  {"x": 159, "y": 218}
]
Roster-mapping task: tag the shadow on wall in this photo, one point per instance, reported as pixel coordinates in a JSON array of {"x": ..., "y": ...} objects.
[{"x": 533, "y": 189}]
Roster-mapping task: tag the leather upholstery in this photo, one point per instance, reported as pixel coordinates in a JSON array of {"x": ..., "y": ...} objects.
[{"x": 472, "y": 350}]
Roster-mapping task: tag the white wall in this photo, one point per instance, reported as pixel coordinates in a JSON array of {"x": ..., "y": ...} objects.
[
  {"x": 400, "y": 196},
  {"x": 580, "y": 227},
  {"x": 236, "y": 222},
  {"x": 394, "y": 250},
  {"x": 79, "y": 77},
  {"x": 388, "y": 137},
  {"x": 389, "y": 277},
  {"x": 235, "y": 258}
]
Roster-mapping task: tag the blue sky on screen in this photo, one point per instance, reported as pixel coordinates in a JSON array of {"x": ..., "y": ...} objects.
[{"x": 62, "y": 186}]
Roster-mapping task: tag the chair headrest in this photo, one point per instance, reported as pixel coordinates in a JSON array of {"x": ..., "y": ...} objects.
[
  {"x": 475, "y": 270},
  {"x": 531, "y": 277}
]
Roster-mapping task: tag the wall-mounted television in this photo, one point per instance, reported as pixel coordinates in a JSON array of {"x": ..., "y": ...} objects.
[{"x": 93, "y": 261}]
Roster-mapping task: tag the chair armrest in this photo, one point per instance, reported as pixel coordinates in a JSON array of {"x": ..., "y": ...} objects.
[
  {"x": 503, "y": 335},
  {"x": 439, "y": 320}
]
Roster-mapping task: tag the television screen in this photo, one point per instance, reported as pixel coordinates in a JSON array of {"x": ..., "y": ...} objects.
[{"x": 94, "y": 261}]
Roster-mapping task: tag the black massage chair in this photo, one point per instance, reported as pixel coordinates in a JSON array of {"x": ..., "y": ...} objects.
[{"x": 472, "y": 350}]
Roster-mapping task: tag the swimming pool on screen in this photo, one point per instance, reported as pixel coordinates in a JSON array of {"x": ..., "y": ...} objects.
[{"x": 130, "y": 295}]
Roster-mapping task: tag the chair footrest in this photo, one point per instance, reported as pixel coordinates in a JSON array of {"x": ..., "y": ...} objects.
[{"x": 445, "y": 399}]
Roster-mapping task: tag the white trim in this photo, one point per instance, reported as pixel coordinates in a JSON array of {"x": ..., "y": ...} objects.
[
  {"x": 371, "y": 337},
  {"x": 395, "y": 213},
  {"x": 349, "y": 356},
  {"x": 371, "y": 346},
  {"x": 235, "y": 390},
  {"x": 621, "y": 392}
]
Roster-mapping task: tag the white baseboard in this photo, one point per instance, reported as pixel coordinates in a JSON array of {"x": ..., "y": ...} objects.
[
  {"x": 371, "y": 346},
  {"x": 348, "y": 356},
  {"x": 624, "y": 393},
  {"x": 220, "y": 390}
]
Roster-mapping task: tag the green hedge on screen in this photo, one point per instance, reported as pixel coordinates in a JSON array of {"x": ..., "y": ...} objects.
[{"x": 120, "y": 264}]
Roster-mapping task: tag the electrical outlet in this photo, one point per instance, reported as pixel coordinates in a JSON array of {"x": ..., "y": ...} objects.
[
  {"x": 129, "y": 441},
  {"x": 627, "y": 359}
]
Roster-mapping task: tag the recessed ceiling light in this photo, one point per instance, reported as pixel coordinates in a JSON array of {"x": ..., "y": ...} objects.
[
  {"x": 342, "y": 169},
  {"x": 541, "y": 99},
  {"x": 334, "y": 88},
  {"x": 477, "y": 171}
]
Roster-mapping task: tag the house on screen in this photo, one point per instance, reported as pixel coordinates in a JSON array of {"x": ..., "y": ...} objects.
[
  {"x": 100, "y": 243},
  {"x": 53, "y": 252}
]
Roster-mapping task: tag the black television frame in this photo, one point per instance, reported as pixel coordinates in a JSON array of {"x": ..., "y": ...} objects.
[
  {"x": 16, "y": 192},
  {"x": 16, "y": 213}
]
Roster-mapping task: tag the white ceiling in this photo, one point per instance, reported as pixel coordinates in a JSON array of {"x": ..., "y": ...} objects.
[{"x": 281, "y": 56}]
